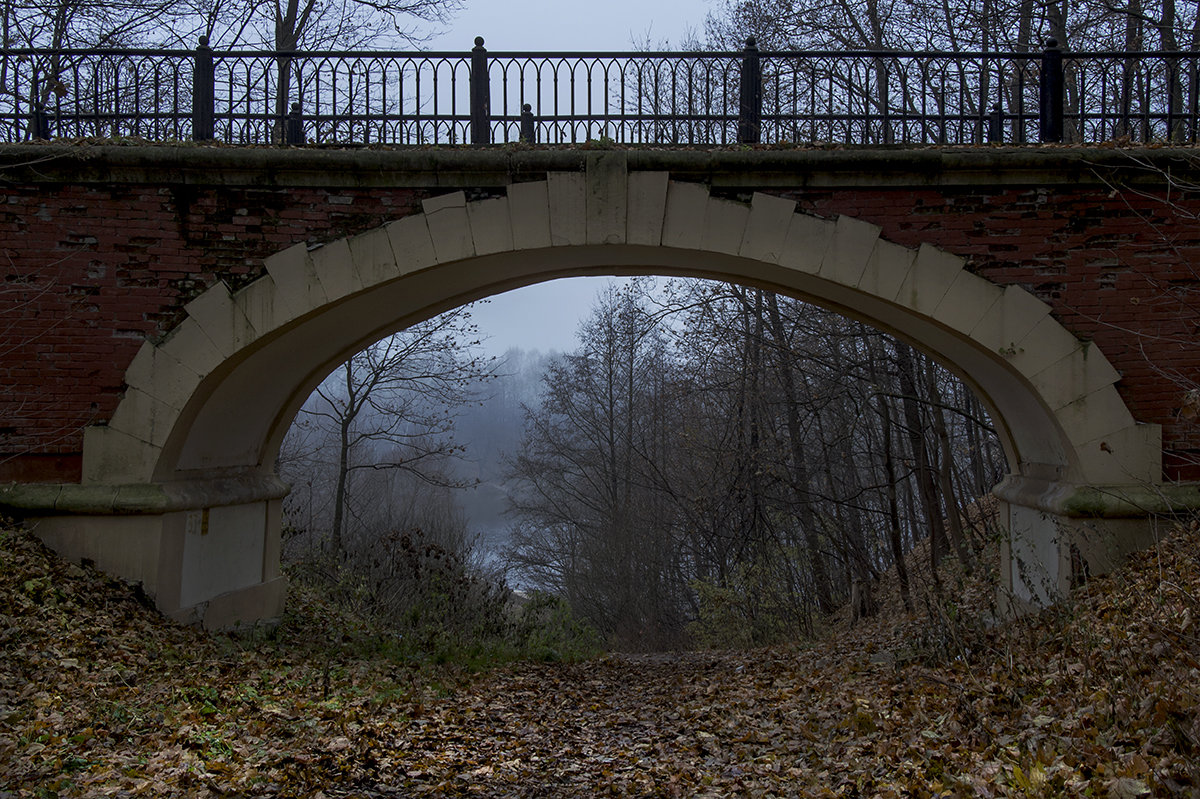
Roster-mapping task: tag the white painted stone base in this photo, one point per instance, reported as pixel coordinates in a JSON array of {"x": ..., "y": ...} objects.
[
  {"x": 1044, "y": 555},
  {"x": 216, "y": 566}
]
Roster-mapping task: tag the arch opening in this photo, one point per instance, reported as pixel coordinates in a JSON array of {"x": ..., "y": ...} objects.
[{"x": 207, "y": 408}]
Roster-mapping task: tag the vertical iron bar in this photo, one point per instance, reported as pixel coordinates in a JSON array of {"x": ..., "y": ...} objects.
[
  {"x": 1051, "y": 112},
  {"x": 203, "y": 93},
  {"x": 1172, "y": 67},
  {"x": 480, "y": 96},
  {"x": 1020, "y": 120},
  {"x": 750, "y": 96},
  {"x": 885, "y": 101}
]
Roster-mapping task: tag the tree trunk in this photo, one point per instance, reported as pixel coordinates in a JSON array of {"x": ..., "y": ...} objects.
[
  {"x": 343, "y": 468},
  {"x": 802, "y": 506},
  {"x": 889, "y": 466},
  {"x": 945, "y": 463},
  {"x": 916, "y": 437}
]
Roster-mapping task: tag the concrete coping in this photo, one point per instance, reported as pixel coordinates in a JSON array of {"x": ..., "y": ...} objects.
[
  {"x": 731, "y": 167},
  {"x": 140, "y": 498},
  {"x": 1098, "y": 501}
]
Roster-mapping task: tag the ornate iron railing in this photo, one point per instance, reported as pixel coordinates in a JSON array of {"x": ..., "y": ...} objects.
[{"x": 564, "y": 98}]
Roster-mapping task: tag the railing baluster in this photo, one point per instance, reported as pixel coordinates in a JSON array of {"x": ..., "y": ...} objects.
[{"x": 701, "y": 98}]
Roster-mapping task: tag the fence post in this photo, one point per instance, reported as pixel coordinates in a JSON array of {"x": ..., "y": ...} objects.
[
  {"x": 750, "y": 99},
  {"x": 481, "y": 102},
  {"x": 39, "y": 122},
  {"x": 203, "y": 95},
  {"x": 1052, "y": 93},
  {"x": 528, "y": 128},
  {"x": 294, "y": 133},
  {"x": 996, "y": 125}
]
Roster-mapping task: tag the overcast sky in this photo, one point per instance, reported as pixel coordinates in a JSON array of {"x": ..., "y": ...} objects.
[
  {"x": 545, "y": 316},
  {"x": 571, "y": 24}
]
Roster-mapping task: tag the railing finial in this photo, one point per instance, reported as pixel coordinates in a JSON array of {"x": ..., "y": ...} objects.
[
  {"x": 528, "y": 126},
  {"x": 294, "y": 132},
  {"x": 996, "y": 125}
]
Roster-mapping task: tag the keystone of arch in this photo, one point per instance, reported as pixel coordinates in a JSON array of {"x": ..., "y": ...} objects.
[{"x": 842, "y": 262}]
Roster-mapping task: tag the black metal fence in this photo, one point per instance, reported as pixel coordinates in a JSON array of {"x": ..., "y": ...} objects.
[{"x": 564, "y": 98}]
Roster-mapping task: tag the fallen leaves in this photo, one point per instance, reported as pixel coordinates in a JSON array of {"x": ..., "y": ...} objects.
[{"x": 100, "y": 696}]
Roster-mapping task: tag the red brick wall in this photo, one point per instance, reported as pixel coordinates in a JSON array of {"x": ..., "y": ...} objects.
[
  {"x": 91, "y": 270},
  {"x": 1121, "y": 269}
]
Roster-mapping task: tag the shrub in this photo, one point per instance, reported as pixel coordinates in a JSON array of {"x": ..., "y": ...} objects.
[{"x": 417, "y": 600}]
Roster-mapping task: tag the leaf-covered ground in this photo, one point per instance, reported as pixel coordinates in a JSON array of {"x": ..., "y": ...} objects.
[{"x": 101, "y": 697}]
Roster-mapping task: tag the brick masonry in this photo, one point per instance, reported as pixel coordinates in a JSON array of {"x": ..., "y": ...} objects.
[
  {"x": 91, "y": 268},
  {"x": 1119, "y": 268}
]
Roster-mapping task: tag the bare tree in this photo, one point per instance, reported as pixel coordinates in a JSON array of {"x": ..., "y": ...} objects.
[
  {"x": 391, "y": 407},
  {"x": 593, "y": 522},
  {"x": 729, "y": 461}
]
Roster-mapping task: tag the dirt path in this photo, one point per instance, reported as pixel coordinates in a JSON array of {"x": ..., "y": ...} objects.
[{"x": 101, "y": 697}]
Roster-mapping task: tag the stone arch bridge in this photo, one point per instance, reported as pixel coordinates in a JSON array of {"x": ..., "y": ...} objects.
[{"x": 166, "y": 310}]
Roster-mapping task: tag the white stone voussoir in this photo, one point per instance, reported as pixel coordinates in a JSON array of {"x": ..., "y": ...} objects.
[
  {"x": 567, "y": 195},
  {"x": 886, "y": 269},
  {"x": 767, "y": 227},
  {"x": 491, "y": 227},
  {"x": 1047, "y": 343},
  {"x": 1074, "y": 376},
  {"x": 191, "y": 346},
  {"x": 967, "y": 301},
  {"x": 929, "y": 279},
  {"x": 607, "y": 197},
  {"x": 144, "y": 417},
  {"x": 806, "y": 242},
  {"x": 334, "y": 267},
  {"x": 257, "y": 303},
  {"x": 412, "y": 244},
  {"x": 113, "y": 457},
  {"x": 1009, "y": 320},
  {"x": 724, "y": 226},
  {"x": 683, "y": 221},
  {"x": 449, "y": 228},
  {"x": 1131, "y": 455},
  {"x": 529, "y": 214},
  {"x": 221, "y": 319},
  {"x": 373, "y": 257},
  {"x": 646, "y": 207},
  {"x": 1092, "y": 417},
  {"x": 297, "y": 289},
  {"x": 849, "y": 248},
  {"x": 161, "y": 376}
]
